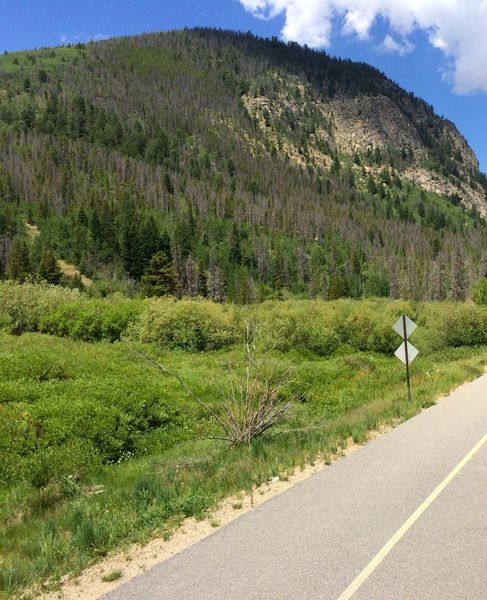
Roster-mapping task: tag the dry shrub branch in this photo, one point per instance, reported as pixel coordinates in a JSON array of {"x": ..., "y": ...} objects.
[{"x": 252, "y": 398}]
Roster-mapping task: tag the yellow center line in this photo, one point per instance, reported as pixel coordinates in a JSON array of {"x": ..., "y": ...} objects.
[{"x": 384, "y": 551}]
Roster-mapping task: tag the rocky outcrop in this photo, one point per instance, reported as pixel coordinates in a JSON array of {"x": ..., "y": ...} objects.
[{"x": 425, "y": 148}]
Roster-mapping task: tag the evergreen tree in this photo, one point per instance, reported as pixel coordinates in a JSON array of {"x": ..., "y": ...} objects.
[
  {"x": 185, "y": 233},
  {"x": 165, "y": 244},
  {"x": 338, "y": 287},
  {"x": 377, "y": 283},
  {"x": 160, "y": 277},
  {"x": 49, "y": 269},
  {"x": 131, "y": 248},
  {"x": 149, "y": 241},
  {"x": 19, "y": 265}
]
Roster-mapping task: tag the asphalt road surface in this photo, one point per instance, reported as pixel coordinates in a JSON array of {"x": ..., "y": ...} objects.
[{"x": 404, "y": 517}]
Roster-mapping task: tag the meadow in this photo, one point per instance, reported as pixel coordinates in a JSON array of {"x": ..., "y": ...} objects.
[{"x": 98, "y": 449}]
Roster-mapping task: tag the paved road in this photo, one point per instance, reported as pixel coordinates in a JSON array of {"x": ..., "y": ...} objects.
[{"x": 314, "y": 540}]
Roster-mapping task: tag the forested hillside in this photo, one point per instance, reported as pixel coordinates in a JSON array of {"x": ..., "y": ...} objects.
[{"x": 210, "y": 163}]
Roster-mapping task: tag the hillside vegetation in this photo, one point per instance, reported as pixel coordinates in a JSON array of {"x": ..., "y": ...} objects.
[
  {"x": 98, "y": 449},
  {"x": 257, "y": 168}
]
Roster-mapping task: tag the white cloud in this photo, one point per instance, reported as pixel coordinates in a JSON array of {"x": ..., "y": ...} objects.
[
  {"x": 82, "y": 38},
  {"x": 458, "y": 28},
  {"x": 390, "y": 44}
]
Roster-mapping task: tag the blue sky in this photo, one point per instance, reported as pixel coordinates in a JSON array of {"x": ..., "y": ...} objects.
[{"x": 34, "y": 23}]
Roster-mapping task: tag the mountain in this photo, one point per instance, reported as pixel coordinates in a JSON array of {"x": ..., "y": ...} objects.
[{"x": 256, "y": 167}]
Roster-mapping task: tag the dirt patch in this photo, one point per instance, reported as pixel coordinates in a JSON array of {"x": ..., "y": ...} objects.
[{"x": 71, "y": 271}]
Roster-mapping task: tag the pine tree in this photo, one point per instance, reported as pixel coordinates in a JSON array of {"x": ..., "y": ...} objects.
[
  {"x": 19, "y": 265},
  {"x": 185, "y": 233},
  {"x": 338, "y": 287},
  {"x": 160, "y": 277},
  {"x": 131, "y": 250},
  {"x": 165, "y": 244},
  {"x": 49, "y": 269}
]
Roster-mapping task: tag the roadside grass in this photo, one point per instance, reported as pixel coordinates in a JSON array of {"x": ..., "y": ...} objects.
[
  {"x": 112, "y": 576},
  {"x": 92, "y": 396}
]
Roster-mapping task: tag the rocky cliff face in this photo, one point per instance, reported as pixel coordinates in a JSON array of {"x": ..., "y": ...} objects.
[{"x": 387, "y": 129}]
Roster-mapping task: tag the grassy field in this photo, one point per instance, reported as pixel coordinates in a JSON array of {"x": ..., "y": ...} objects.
[{"x": 98, "y": 449}]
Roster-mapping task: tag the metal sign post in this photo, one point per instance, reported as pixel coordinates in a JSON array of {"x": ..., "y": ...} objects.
[{"x": 406, "y": 351}]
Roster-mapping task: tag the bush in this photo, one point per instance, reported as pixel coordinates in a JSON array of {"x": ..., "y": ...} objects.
[
  {"x": 302, "y": 326},
  {"x": 92, "y": 320},
  {"x": 323, "y": 327},
  {"x": 194, "y": 325},
  {"x": 66, "y": 407},
  {"x": 480, "y": 293},
  {"x": 368, "y": 331},
  {"x": 23, "y": 305},
  {"x": 465, "y": 325},
  {"x": 75, "y": 459}
]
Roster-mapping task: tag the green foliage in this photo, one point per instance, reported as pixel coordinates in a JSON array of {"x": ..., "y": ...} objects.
[
  {"x": 92, "y": 320},
  {"x": 338, "y": 287},
  {"x": 323, "y": 327},
  {"x": 301, "y": 326},
  {"x": 19, "y": 266},
  {"x": 365, "y": 329},
  {"x": 199, "y": 325},
  {"x": 480, "y": 292},
  {"x": 42, "y": 61},
  {"x": 159, "y": 278},
  {"x": 72, "y": 459},
  {"x": 22, "y": 306},
  {"x": 196, "y": 325},
  {"x": 464, "y": 325},
  {"x": 49, "y": 269},
  {"x": 66, "y": 408}
]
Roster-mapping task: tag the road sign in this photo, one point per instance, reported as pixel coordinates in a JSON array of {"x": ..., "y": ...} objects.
[
  {"x": 401, "y": 352},
  {"x": 410, "y": 326},
  {"x": 406, "y": 351}
]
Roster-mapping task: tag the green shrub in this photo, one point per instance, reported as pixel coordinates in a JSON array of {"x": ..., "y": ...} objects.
[
  {"x": 194, "y": 325},
  {"x": 91, "y": 320},
  {"x": 23, "y": 305},
  {"x": 118, "y": 318},
  {"x": 17, "y": 439},
  {"x": 368, "y": 331},
  {"x": 465, "y": 325},
  {"x": 74, "y": 459},
  {"x": 302, "y": 326},
  {"x": 480, "y": 292}
]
